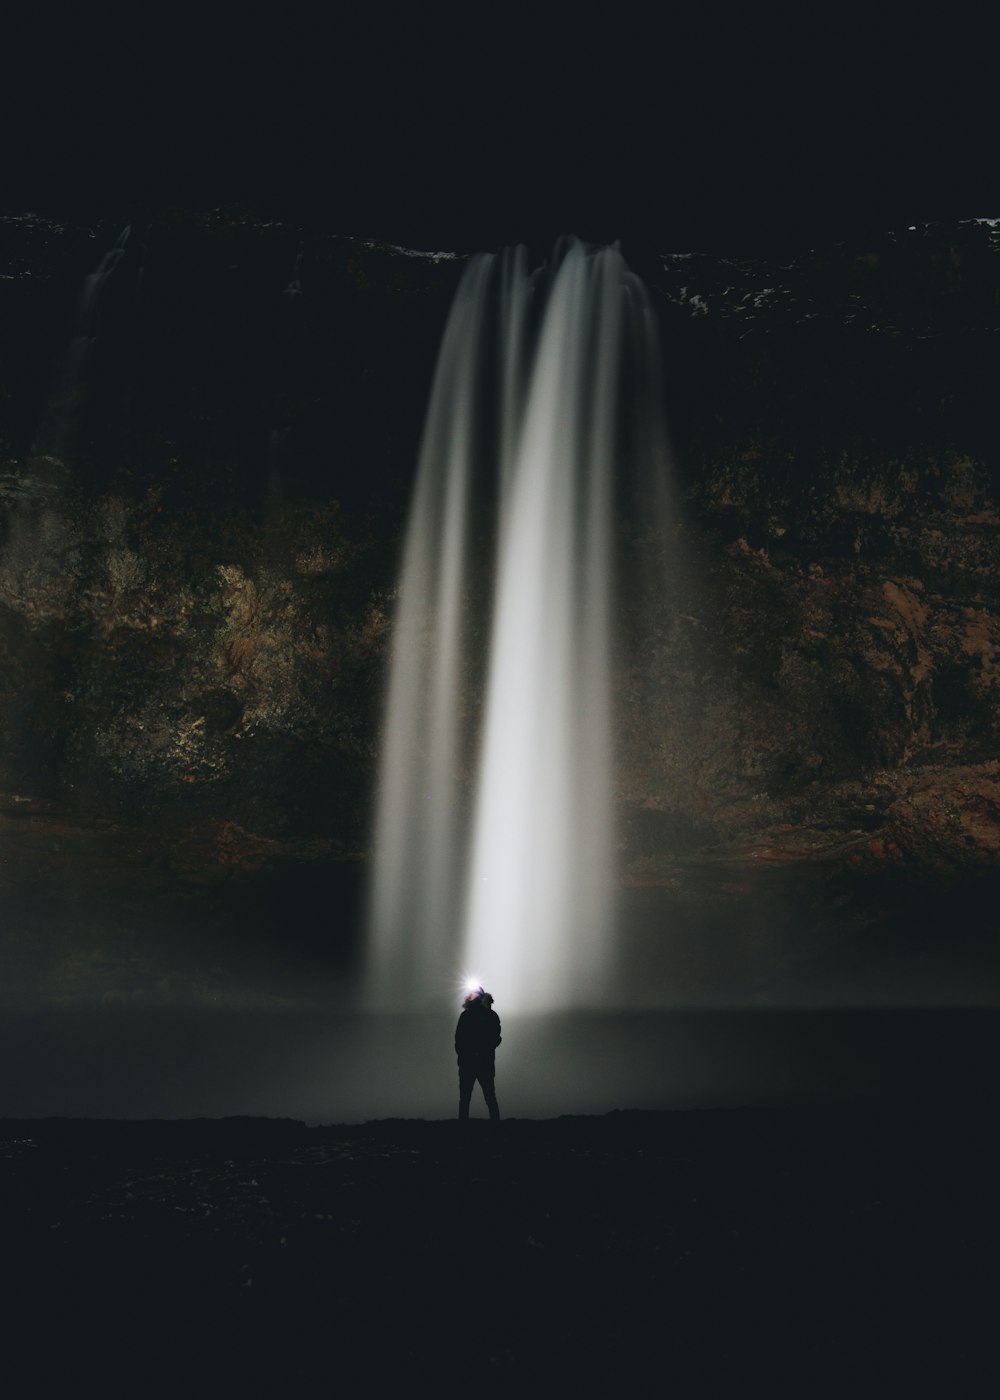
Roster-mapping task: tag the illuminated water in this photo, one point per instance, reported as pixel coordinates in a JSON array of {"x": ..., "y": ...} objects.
[{"x": 495, "y": 834}]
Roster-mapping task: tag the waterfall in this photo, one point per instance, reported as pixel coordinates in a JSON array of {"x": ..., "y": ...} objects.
[
  {"x": 495, "y": 840},
  {"x": 56, "y": 436}
]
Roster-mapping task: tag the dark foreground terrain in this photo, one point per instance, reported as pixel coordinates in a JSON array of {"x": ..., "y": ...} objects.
[{"x": 795, "y": 1251}]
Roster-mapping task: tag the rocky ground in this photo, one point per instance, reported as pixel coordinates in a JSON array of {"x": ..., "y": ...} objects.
[{"x": 797, "y": 1253}]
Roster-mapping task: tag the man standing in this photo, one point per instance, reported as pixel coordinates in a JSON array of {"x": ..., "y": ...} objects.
[{"x": 477, "y": 1036}]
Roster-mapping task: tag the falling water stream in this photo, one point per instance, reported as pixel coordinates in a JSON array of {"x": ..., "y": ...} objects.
[
  {"x": 495, "y": 832},
  {"x": 56, "y": 437}
]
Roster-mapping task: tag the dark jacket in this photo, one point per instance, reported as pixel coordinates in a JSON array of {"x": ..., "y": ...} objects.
[{"x": 477, "y": 1035}]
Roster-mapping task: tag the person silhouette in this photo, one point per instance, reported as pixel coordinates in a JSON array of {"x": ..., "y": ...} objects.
[{"x": 477, "y": 1036}]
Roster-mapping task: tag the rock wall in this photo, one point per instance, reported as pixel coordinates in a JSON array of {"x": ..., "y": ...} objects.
[{"x": 195, "y": 596}]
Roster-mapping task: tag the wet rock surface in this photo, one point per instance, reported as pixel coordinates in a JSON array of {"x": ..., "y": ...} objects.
[{"x": 811, "y": 1249}]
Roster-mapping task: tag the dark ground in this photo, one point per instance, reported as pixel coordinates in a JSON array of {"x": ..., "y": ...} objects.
[{"x": 805, "y": 1252}]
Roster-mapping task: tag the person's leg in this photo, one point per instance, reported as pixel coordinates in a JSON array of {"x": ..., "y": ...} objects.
[
  {"x": 486, "y": 1080},
  {"x": 466, "y": 1079}
]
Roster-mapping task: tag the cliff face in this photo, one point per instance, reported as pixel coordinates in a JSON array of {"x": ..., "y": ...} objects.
[
  {"x": 204, "y": 487},
  {"x": 846, "y": 661}
]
